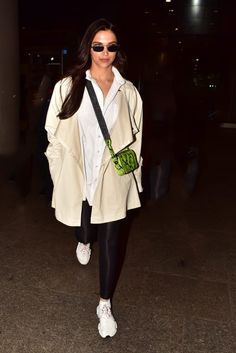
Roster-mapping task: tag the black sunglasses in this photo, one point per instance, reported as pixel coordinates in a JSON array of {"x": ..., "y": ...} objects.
[{"x": 112, "y": 48}]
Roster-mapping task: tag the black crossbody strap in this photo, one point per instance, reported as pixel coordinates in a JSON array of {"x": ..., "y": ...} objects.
[
  {"x": 97, "y": 110},
  {"x": 100, "y": 117}
]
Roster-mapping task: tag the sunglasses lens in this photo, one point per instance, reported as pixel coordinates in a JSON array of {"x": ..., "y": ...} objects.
[
  {"x": 98, "y": 48},
  {"x": 113, "y": 48}
]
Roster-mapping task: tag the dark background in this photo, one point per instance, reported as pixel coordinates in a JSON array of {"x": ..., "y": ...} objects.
[
  {"x": 181, "y": 56},
  {"x": 155, "y": 34}
]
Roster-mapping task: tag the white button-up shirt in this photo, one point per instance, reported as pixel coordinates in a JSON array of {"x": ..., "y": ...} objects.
[{"x": 92, "y": 140}]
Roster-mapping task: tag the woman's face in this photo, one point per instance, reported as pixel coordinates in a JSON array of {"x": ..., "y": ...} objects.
[{"x": 106, "y": 43}]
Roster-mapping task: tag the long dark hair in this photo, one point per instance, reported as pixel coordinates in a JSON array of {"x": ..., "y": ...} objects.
[{"x": 78, "y": 72}]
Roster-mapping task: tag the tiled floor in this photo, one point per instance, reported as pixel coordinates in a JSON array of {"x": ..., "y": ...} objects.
[{"x": 176, "y": 291}]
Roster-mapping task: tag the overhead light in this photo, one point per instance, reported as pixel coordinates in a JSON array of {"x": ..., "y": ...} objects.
[{"x": 168, "y": 0}]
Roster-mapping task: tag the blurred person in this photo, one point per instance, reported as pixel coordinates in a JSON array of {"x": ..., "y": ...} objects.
[
  {"x": 159, "y": 113},
  {"x": 21, "y": 172},
  {"x": 88, "y": 193},
  {"x": 189, "y": 130}
]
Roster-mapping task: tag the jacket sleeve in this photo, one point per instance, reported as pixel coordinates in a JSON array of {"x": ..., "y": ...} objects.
[
  {"x": 137, "y": 111},
  {"x": 54, "y": 149}
]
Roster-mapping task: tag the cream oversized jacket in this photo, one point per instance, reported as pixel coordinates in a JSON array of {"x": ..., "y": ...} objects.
[{"x": 114, "y": 194}]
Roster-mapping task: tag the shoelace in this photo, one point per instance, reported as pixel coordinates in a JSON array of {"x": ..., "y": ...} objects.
[
  {"x": 106, "y": 311},
  {"x": 84, "y": 249}
]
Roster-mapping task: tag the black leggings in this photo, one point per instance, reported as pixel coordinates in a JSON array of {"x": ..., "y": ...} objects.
[{"x": 108, "y": 242}]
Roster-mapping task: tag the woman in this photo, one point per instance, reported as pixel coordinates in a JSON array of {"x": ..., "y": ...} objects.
[{"x": 88, "y": 193}]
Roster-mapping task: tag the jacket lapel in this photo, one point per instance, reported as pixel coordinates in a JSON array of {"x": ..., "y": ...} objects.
[{"x": 124, "y": 130}]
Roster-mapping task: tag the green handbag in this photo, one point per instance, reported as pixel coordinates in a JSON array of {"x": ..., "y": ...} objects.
[{"x": 125, "y": 161}]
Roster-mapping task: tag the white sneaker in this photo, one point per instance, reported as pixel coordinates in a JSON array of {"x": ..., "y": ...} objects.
[
  {"x": 83, "y": 253},
  {"x": 107, "y": 325}
]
